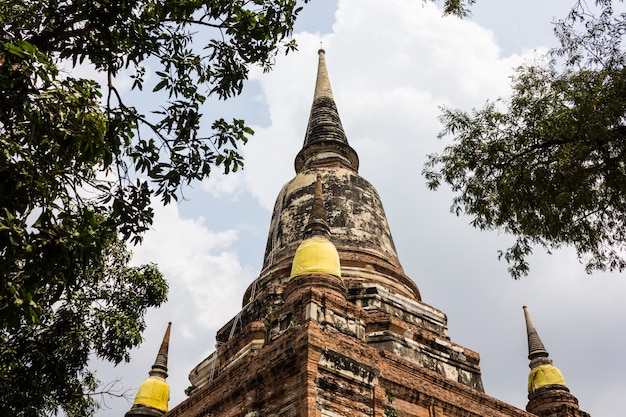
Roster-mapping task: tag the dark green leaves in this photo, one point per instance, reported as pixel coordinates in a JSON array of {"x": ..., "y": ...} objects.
[
  {"x": 101, "y": 313},
  {"x": 549, "y": 164},
  {"x": 80, "y": 165},
  {"x": 458, "y": 8}
]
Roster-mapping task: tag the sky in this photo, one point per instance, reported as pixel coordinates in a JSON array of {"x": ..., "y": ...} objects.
[{"x": 392, "y": 65}]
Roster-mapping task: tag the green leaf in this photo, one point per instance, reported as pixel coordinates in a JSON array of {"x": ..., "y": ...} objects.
[{"x": 160, "y": 85}]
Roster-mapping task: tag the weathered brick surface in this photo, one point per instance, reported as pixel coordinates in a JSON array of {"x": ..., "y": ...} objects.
[
  {"x": 320, "y": 364},
  {"x": 554, "y": 401},
  {"x": 270, "y": 383}
]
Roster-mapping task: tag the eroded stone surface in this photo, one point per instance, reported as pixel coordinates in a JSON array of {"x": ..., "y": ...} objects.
[{"x": 358, "y": 225}]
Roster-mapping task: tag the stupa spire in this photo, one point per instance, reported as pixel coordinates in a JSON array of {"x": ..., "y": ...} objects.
[
  {"x": 325, "y": 142},
  {"x": 153, "y": 394},
  {"x": 548, "y": 394},
  {"x": 322, "y": 82},
  {"x": 160, "y": 363},
  {"x": 350, "y": 206},
  {"x": 542, "y": 372},
  {"x": 316, "y": 254},
  {"x": 317, "y": 225},
  {"x": 536, "y": 348}
]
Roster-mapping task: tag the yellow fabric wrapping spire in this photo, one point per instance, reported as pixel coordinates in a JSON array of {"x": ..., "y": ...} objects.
[
  {"x": 153, "y": 392},
  {"x": 316, "y": 255},
  {"x": 545, "y": 375}
]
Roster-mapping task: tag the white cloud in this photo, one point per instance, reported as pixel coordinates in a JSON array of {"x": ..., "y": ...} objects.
[
  {"x": 220, "y": 185},
  {"x": 207, "y": 281},
  {"x": 197, "y": 262}
]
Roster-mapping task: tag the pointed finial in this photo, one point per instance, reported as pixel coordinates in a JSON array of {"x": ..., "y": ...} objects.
[
  {"x": 160, "y": 364},
  {"x": 544, "y": 377},
  {"x": 153, "y": 394},
  {"x": 322, "y": 83},
  {"x": 537, "y": 353},
  {"x": 317, "y": 224},
  {"x": 316, "y": 254},
  {"x": 325, "y": 141}
]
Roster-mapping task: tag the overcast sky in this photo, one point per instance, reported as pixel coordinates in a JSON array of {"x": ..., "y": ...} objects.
[{"x": 392, "y": 64}]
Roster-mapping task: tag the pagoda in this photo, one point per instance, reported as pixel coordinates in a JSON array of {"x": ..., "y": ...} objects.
[{"x": 333, "y": 326}]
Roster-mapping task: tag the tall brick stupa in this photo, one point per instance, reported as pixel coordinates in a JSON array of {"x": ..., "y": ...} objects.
[{"x": 333, "y": 326}]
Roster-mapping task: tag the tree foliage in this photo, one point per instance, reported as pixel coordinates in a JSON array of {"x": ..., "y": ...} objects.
[
  {"x": 459, "y": 8},
  {"x": 68, "y": 152},
  {"x": 548, "y": 165},
  {"x": 43, "y": 365},
  {"x": 81, "y": 161}
]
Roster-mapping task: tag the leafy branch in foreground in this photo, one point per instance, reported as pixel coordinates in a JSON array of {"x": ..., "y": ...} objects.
[
  {"x": 66, "y": 149},
  {"x": 101, "y": 314},
  {"x": 548, "y": 165},
  {"x": 80, "y": 164}
]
